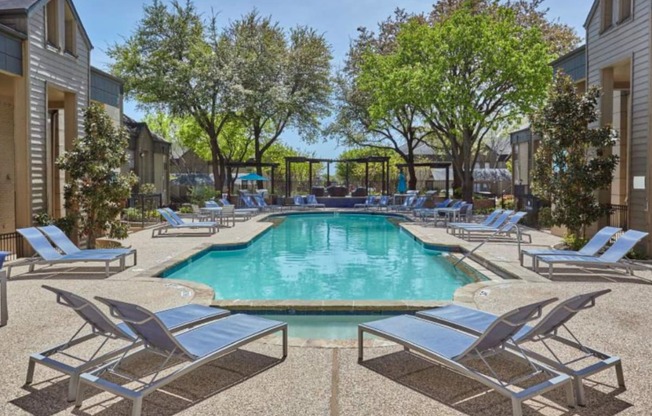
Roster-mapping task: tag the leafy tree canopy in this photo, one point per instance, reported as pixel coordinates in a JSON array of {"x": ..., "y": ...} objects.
[{"x": 573, "y": 161}]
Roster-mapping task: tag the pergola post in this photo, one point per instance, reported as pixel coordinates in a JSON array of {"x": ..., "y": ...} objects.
[
  {"x": 310, "y": 176},
  {"x": 366, "y": 176},
  {"x": 383, "y": 179},
  {"x": 287, "y": 178},
  {"x": 272, "y": 180},
  {"x": 447, "y": 182},
  {"x": 328, "y": 173}
]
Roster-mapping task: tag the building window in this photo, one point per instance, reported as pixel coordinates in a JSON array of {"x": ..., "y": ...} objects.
[
  {"x": 625, "y": 10},
  {"x": 52, "y": 23},
  {"x": 71, "y": 32}
]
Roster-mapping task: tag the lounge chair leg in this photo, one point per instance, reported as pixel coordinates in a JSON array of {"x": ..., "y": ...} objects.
[
  {"x": 360, "y": 342},
  {"x": 106, "y": 269},
  {"x": 285, "y": 342},
  {"x": 72, "y": 387},
  {"x": 137, "y": 406},
  {"x": 550, "y": 271},
  {"x": 517, "y": 408},
  {"x": 620, "y": 375},
  {"x": 30, "y": 372},
  {"x": 579, "y": 391},
  {"x": 570, "y": 395},
  {"x": 135, "y": 257},
  {"x": 80, "y": 395}
]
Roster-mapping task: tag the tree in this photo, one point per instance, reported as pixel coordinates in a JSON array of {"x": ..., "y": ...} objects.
[
  {"x": 176, "y": 61},
  {"x": 399, "y": 128},
  {"x": 95, "y": 192},
  {"x": 284, "y": 79},
  {"x": 573, "y": 161},
  {"x": 466, "y": 75}
]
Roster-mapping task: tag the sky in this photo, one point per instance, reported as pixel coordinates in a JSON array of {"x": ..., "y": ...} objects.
[{"x": 110, "y": 22}]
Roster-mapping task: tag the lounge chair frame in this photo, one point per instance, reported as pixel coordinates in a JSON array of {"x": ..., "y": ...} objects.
[
  {"x": 473, "y": 351},
  {"x": 172, "y": 224},
  {"x": 179, "y": 352},
  {"x": 110, "y": 331},
  {"x": 535, "y": 334}
]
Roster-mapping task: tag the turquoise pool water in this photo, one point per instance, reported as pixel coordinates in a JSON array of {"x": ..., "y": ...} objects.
[{"x": 327, "y": 257}]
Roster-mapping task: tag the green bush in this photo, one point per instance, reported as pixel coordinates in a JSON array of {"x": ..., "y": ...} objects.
[
  {"x": 148, "y": 188},
  {"x": 545, "y": 217},
  {"x": 574, "y": 242},
  {"x": 65, "y": 224},
  {"x": 185, "y": 209},
  {"x": 200, "y": 194}
]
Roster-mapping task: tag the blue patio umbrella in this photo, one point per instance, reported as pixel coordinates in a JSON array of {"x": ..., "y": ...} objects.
[
  {"x": 402, "y": 185},
  {"x": 252, "y": 177}
]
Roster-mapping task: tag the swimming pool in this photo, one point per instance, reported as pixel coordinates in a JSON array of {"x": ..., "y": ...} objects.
[{"x": 326, "y": 257}]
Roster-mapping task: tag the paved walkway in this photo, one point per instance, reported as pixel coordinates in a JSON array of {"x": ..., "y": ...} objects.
[{"x": 321, "y": 381}]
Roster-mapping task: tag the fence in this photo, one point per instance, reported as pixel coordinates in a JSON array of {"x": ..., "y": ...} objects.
[
  {"x": 13, "y": 243},
  {"x": 618, "y": 216}
]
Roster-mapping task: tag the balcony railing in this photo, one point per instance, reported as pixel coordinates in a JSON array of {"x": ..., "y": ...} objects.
[
  {"x": 13, "y": 243},
  {"x": 618, "y": 216}
]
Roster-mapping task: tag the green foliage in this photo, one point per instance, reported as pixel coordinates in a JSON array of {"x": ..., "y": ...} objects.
[
  {"x": 186, "y": 209},
  {"x": 545, "y": 217},
  {"x": 95, "y": 192},
  {"x": 356, "y": 171},
  {"x": 65, "y": 224},
  {"x": 508, "y": 202},
  {"x": 574, "y": 242},
  {"x": 573, "y": 161},
  {"x": 147, "y": 188},
  {"x": 466, "y": 74},
  {"x": 200, "y": 194}
]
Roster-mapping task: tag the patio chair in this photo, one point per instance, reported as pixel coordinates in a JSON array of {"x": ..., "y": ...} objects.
[
  {"x": 196, "y": 347},
  {"x": 595, "y": 244},
  {"x": 545, "y": 331},
  {"x": 66, "y": 246},
  {"x": 487, "y": 221},
  {"x": 47, "y": 254},
  {"x": 260, "y": 201},
  {"x": 611, "y": 258},
  {"x": 311, "y": 202},
  {"x": 368, "y": 203},
  {"x": 450, "y": 348},
  {"x": 506, "y": 230},
  {"x": 178, "y": 224},
  {"x": 498, "y": 222},
  {"x": 409, "y": 200},
  {"x": 249, "y": 203},
  {"x": 56, "y": 358}
]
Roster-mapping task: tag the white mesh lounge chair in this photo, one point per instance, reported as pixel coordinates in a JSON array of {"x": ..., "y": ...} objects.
[
  {"x": 368, "y": 203},
  {"x": 47, "y": 254},
  {"x": 450, "y": 348},
  {"x": 58, "y": 358},
  {"x": 506, "y": 230},
  {"x": 260, "y": 201},
  {"x": 178, "y": 224},
  {"x": 546, "y": 331},
  {"x": 195, "y": 347},
  {"x": 486, "y": 223},
  {"x": 613, "y": 257},
  {"x": 595, "y": 244},
  {"x": 66, "y": 246}
]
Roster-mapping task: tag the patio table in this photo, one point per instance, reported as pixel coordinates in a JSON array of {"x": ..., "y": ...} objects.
[{"x": 213, "y": 212}]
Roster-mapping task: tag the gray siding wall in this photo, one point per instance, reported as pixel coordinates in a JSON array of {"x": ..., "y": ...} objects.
[
  {"x": 628, "y": 40},
  {"x": 574, "y": 64},
  {"x": 66, "y": 73}
]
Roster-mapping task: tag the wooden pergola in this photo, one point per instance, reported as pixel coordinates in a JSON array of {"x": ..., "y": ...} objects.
[
  {"x": 250, "y": 164},
  {"x": 366, "y": 160}
]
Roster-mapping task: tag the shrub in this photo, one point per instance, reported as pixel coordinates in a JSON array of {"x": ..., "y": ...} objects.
[
  {"x": 574, "y": 242},
  {"x": 545, "y": 217},
  {"x": 148, "y": 188},
  {"x": 185, "y": 209},
  {"x": 201, "y": 193}
]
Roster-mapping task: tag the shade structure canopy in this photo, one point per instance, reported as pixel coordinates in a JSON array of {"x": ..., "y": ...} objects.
[{"x": 252, "y": 177}]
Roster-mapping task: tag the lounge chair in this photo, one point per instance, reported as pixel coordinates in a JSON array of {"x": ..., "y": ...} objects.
[
  {"x": 260, "y": 201},
  {"x": 498, "y": 221},
  {"x": 178, "y": 224},
  {"x": 545, "y": 331},
  {"x": 368, "y": 203},
  {"x": 595, "y": 244},
  {"x": 503, "y": 231},
  {"x": 450, "y": 347},
  {"x": 487, "y": 221},
  {"x": 299, "y": 202},
  {"x": 311, "y": 202},
  {"x": 611, "y": 258},
  {"x": 244, "y": 213},
  {"x": 407, "y": 203},
  {"x": 383, "y": 202},
  {"x": 249, "y": 203},
  {"x": 66, "y": 246},
  {"x": 197, "y": 347},
  {"x": 56, "y": 358},
  {"x": 47, "y": 254}
]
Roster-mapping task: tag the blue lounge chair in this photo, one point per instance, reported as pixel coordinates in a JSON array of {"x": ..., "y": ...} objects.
[
  {"x": 486, "y": 223},
  {"x": 47, "y": 254},
  {"x": 245, "y": 213},
  {"x": 368, "y": 203},
  {"x": 450, "y": 347},
  {"x": 595, "y": 244},
  {"x": 299, "y": 202},
  {"x": 174, "y": 319},
  {"x": 545, "y": 331},
  {"x": 260, "y": 201},
  {"x": 407, "y": 203},
  {"x": 176, "y": 223},
  {"x": 505, "y": 230},
  {"x": 249, "y": 203},
  {"x": 196, "y": 347},
  {"x": 311, "y": 202},
  {"x": 63, "y": 243},
  {"x": 497, "y": 222},
  {"x": 611, "y": 258},
  {"x": 383, "y": 202}
]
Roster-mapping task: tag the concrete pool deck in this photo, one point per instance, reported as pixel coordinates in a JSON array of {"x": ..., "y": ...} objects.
[{"x": 314, "y": 379}]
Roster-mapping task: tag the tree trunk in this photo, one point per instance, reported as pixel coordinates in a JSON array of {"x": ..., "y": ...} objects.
[
  {"x": 412, "y": 174},
  {"x": 217, "y": 163}
]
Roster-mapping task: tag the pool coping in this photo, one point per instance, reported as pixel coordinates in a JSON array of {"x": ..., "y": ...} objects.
[{"x": 462, "y": 295}]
